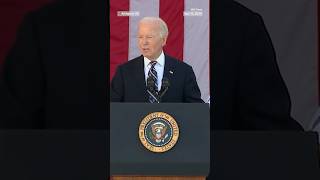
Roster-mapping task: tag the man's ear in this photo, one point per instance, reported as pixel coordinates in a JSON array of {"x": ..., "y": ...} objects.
[{"x": 164, "y": 41}]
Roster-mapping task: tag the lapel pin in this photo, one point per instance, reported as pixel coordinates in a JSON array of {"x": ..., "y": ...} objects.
[{"x": 171, "y": 72}]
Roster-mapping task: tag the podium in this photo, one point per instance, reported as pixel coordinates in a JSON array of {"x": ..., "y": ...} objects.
[{"x": 134, "y": 147}]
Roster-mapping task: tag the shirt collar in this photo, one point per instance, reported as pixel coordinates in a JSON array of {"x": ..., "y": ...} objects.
[{"x": 160, "y": 60}]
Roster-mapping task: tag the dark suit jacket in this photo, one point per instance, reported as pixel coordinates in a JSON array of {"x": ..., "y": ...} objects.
[
  {"x": 128, "y": 84},
  {"x": 56, "y": 74}
]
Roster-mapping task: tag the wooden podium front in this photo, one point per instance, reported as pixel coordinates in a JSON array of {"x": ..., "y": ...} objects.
[{"x": 157, "y": 178}]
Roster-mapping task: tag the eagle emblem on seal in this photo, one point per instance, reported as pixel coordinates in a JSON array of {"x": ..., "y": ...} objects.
[{"x": 158, "y": 132}]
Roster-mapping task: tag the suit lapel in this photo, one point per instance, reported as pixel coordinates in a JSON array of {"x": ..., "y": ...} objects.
[
  {"x": 139, "y": 77},
  {"x": 169, "y": 70}
]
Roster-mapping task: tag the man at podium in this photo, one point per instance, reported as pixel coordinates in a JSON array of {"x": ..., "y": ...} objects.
[{"x": 154, "y": 76}]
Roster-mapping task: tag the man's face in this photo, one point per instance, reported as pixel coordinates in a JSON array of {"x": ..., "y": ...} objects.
[{"x": 149, "y": 40}]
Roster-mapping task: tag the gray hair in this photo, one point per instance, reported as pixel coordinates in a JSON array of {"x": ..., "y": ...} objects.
[{"x": 163, "y": 26}]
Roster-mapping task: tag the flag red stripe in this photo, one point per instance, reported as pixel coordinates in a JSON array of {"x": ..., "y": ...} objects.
[
  {"x": 119, "y": 34},
  {"x": 172, "y": 13}
]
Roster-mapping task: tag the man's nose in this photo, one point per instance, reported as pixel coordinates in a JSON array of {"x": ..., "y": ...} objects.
[{"x": 145, "y": 41}]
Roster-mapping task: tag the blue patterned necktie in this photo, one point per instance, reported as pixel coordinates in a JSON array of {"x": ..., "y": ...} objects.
[{"x": 152, "y": 83}]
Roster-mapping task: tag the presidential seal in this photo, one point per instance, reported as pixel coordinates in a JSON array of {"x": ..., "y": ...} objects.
[{"x": 158, "y": 132}]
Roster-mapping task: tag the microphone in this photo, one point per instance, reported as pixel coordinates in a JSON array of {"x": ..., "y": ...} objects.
[{"x": 164, "y": 87}]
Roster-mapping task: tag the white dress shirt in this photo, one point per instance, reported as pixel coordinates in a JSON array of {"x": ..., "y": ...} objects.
[{"x": 159, "y": 68}]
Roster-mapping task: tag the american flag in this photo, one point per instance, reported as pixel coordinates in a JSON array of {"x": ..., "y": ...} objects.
[{"x": 188, "y": 24}]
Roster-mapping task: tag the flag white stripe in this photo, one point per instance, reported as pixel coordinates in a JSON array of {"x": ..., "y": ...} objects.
[{"x": 196, "y": 43}]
